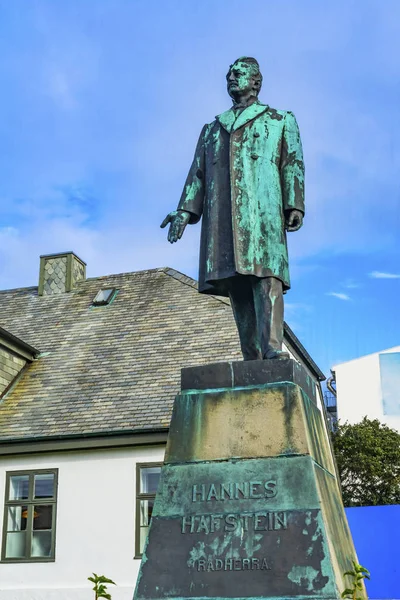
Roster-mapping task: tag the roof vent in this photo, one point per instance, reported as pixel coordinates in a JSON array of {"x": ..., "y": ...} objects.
[
  {"x": 104, "y": 297},
  {"x": 60, "y": 273}
]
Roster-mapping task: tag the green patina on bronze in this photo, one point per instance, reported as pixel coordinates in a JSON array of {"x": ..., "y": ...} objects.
[{"x": 252, "y": 165}]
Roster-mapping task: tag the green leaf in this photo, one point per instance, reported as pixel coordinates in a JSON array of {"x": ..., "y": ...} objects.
[{"x": 106, "y": 580}]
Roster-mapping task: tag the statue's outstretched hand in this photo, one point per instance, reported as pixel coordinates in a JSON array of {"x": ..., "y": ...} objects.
[
  {"x": 294, "y": 220},
  {"x": 178, "y": 220}
]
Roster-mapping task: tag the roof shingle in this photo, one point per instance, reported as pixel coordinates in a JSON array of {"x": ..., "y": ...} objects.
[{"x": 115, "y": 367}]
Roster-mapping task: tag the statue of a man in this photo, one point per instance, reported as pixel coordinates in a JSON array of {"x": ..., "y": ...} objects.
[{"x": 247, "y": 182}]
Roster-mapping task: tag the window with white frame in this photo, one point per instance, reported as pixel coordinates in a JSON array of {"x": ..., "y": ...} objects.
[
  {"x": 147, "y": 479},
  {"x": 30, "y": 516}
]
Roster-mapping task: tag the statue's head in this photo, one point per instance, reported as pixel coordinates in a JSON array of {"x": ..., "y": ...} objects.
[{"x": 244, "y": 77}]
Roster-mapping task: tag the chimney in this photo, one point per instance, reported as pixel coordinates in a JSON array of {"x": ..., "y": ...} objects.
[{"x": 59, "y": 273}]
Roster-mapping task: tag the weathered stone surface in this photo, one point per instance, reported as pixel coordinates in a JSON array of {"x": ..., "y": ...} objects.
[
  {"x": 288, "y": 561},
  {"x": 276, "y": 419},
  {"x": 246, "y": 528},
  {"x": 245, "y": 373},
  {"x": 248, "y": 505}
]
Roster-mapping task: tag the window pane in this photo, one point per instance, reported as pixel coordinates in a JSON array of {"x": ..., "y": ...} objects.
[
  {"x": 149, "y": 478},
  {"x": 17, "y": 516},
  {"x": 19, "y": 487},
  {"x": 44, "y": 485},
  {"x": 143, "y": 536},
  {"x": 41, "y": 543},
  {"x": 146, "y": 509},
  {"x": 42, "y": 517},
  {"x": 15, "y": 544}
]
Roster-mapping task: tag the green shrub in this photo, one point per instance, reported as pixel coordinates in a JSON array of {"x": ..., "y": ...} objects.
[
  {"x": 357, "y": 575},
  {"x": 100, "y": 588}
]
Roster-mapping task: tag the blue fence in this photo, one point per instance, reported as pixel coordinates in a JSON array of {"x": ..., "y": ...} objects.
[{"x": 376, "y": 535}]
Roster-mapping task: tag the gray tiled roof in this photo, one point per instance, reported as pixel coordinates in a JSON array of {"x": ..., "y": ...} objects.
[{"x": 111, "y": 368}]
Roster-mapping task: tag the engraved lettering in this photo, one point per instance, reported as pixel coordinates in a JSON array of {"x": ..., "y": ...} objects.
[
  {"x": 201, "y": 492},
  {"x": 254, "y": 489},
  {"x": 218, "y": 564},
  {"x": 234, "y": 491},
  {"x": 215, "y": 523},
  {"x": 243, "y": 489},
  {"x": 212, "y": 493},
  {"x": 280, "y": 521},
  {"x": 233, "y": 564},
  {"x": 210, "y": 523},
  {"x": 257, "y": 522},
  {"x": 230, "y": 522},
  {"x": 189, "y": 522},
  {"x": 265, "y": 565},
  {"x": 203, "y": 525},
  {"x": 270, "y": 489},
  {"x": 226, "y": 490},
  {"x": 210, "y": 566},
  {"x": 228, "y": 564},
  {"x": 201, "y": 565},
  {"x": 245, "y": 522}
]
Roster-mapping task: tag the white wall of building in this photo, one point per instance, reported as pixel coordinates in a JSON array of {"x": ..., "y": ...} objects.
[
  {"x": 95, "y": 524},
  {"x": 359, "y": 390}
]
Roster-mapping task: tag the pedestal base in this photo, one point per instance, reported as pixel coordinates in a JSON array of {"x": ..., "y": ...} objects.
[{"x": 248, "y": 504}]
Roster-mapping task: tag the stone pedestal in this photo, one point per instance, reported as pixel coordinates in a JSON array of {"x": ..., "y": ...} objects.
[{"x": 248, "y": 505}]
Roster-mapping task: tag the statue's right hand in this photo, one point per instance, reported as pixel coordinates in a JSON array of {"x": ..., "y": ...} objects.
[{"x": 178, "y": 220}]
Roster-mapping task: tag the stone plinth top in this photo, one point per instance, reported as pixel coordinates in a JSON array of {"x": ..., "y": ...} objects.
[{"x": 247, "y": 373}]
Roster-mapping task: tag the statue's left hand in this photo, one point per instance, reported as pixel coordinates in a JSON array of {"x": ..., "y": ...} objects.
[{"x": 294, "y": 220}]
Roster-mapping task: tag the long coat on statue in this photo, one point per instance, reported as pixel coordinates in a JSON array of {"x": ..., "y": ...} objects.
[{"x": 247, "y": 173}]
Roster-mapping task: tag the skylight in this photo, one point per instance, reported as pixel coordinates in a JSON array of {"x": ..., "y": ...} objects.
[{"x": 104, "y": 297}]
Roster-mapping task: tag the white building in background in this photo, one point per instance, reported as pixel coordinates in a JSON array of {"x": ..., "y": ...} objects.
[
  {"x": 89, "y": 369},
  {"x": 370, "y": 386}
]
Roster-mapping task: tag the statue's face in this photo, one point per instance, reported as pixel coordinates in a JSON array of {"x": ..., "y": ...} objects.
[{"x": 240, "y": 80}]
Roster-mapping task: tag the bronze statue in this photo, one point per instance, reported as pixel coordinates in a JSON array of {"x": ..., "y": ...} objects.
[{"x": 247, "y": 182}]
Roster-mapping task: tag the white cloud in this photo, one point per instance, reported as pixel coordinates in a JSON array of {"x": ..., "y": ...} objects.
[
  {"x": 382, "y": 275},
  {"x": 339, "y": 295},
  {"x": 350, "y": 284}
]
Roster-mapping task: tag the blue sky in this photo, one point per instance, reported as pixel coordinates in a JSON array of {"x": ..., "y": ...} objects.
[{"x": 101, "y": 106}]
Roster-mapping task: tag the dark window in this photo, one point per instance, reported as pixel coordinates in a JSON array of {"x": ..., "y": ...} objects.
[
  {"x": 30, "y": 516},
  {"x": 147, "y": 479},
  {"x": 104, "y": 297}
]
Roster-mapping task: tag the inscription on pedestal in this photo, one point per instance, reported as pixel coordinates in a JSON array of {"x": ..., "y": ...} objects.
[
  {"x": 222, "y": 532},
  {"x": 239, "y": 523}
]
